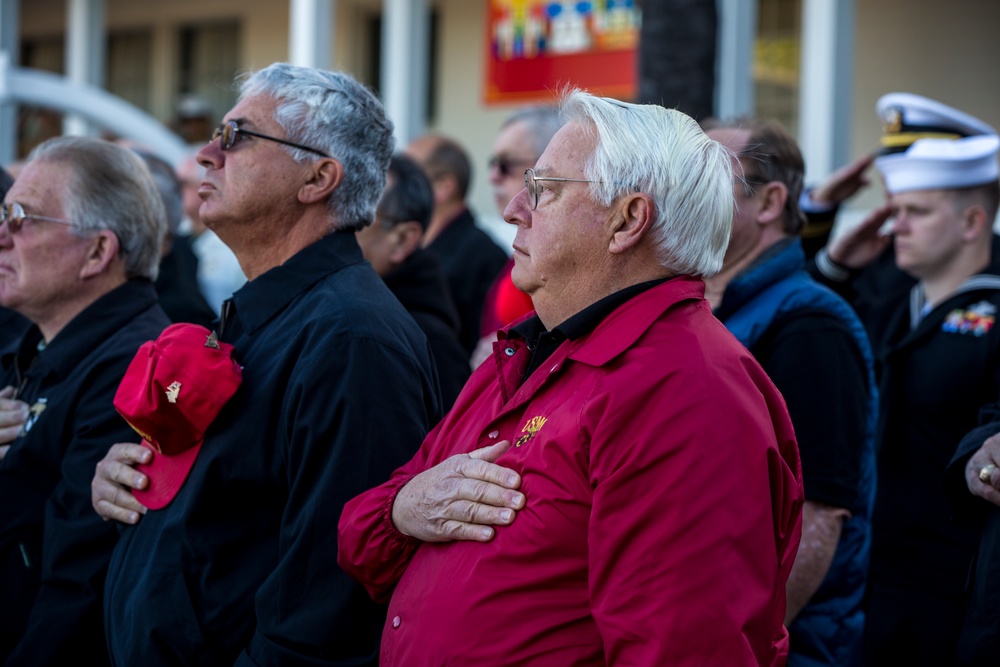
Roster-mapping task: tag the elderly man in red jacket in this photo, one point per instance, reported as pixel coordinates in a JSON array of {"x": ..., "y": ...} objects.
[{"x": 619, "y": 483}]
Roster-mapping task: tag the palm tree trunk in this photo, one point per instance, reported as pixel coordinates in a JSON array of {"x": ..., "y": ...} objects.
[{"x": 677, "y": 44}]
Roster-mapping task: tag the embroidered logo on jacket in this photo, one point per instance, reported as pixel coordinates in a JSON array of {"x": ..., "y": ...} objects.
[
  {"x": 34, "y": 412},
  {"x": 977, "y": 320},
  {"x": 531, "y": 427}
]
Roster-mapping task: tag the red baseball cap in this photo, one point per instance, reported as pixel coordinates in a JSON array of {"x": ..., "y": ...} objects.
[{"x": 171, "y": 393}]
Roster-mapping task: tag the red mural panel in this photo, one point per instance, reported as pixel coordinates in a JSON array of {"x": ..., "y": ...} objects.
[{"x": 536, "y": 47}]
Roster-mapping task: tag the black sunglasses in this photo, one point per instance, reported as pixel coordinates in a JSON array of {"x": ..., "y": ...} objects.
[{"x": 230, "y": 133}]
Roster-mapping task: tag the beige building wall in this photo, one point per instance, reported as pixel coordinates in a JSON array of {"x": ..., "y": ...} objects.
[{"x": 948, "y": 53}]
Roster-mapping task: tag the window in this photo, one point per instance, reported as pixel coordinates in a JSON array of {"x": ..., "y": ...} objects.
[{"x": 776, "y": 61}]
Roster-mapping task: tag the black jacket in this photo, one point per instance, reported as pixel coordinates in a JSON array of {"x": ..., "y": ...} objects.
[
  {"x": 471, "y": 262},
  {"x": 54, "y": 548},
  {"x": 241, "y": 567},
  {"x": 420, "y": 286}
]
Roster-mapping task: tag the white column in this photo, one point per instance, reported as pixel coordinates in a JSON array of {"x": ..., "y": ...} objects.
[
  {"x": 10, "y": 45},
  {"x": 405, "y": 38},
  {"x": 734, "y": 84},
  {"x": 86, "y": 41},
  {"x": 826, "y": 87},
  {"x": 310, "y": 33}
]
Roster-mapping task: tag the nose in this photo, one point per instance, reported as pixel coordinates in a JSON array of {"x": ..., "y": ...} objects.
[
  {"x": 899, "y": 223},
  {"x": 211, "y": 155},
  {"x": 518, "y": 211}
]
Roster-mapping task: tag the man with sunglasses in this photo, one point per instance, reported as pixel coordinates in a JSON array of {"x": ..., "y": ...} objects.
[
  {"x": 521, "y": 139},
  {"x": 765, "y": 297},
  {"x": 236, "y": 565},
  {"x": 618, "y": 484},
  {"x": 77, "y": 259}
]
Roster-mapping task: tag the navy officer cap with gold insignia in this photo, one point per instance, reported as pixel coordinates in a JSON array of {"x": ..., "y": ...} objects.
[
  {"x": 942, "y": 164},
  {"x": 907, "y": 117}
]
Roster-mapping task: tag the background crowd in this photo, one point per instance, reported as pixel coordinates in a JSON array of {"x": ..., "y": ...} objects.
[{"x": 681, "y": 423}]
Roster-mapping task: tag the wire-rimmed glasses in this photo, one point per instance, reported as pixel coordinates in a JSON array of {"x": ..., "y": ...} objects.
[
  {"x": 531, "y": 183},
  {"x": 13, "y": 216}
]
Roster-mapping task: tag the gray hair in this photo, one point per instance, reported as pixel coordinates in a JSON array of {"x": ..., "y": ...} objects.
[
  {"x": 111, "y": 189},
  {"x": 332, "y": 112},
  {"x": 665, "y": 154},
  {"x": 542, "y": 122}
]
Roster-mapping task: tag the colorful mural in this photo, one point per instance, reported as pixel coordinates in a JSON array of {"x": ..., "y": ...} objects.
[{"x": 536, "y": 47}]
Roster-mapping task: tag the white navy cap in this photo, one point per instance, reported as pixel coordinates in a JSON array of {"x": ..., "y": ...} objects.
[
  {"x": 941, "y": 164},
  {"x": 907, "y": 118}
]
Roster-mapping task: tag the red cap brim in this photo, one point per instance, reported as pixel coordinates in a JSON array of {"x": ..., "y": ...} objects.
[{"x": 166, "y": 475}]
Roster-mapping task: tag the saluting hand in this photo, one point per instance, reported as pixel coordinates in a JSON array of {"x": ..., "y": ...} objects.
[
  {"x": 461, "y": 498},
  {"x": 859, "y": 246}
]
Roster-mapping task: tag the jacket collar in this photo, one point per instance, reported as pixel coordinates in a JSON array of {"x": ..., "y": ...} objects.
[
  {"x": 87, "y": 330},
  {"x": 261, "y": 299},
  {"x": 623, "y": 327},
  {"x": 777, "y": 262}
]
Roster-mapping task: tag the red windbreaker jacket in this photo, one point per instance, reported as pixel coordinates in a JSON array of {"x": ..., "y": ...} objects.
[{"x": 663, "y": 506}]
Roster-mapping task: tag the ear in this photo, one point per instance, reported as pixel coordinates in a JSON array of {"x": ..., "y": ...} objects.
[
  {"x": 324, "y": 176},
  {"x": 632, "y": 221},
  {"x": 405, "y": 239},
  {"x": 974, "y": 223},
  {"x": 773, "y": 197},
  {"x": 101, "y": 253}
]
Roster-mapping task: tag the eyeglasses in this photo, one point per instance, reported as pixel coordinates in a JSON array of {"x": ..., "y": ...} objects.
[
  {"x": 14, "y": 216},
  {"x": 230, "y": 133},
  {"x": 531, "y": 183},
  {"x": 505, "y": 165}
]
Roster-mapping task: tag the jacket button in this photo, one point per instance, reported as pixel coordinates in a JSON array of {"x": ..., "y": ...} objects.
[
  {"x": 509, "y": 352},
  {"x": 494, "y": 434},
  {"x": 396, "y": 621}
]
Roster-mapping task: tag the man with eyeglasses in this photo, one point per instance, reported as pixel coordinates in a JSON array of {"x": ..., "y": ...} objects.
[
  {"x": 77, "y": 259},
  {"x": 619, "y": 483},
  {"x": 765, "y": 297},
  {"x": 235, "y": 563}
]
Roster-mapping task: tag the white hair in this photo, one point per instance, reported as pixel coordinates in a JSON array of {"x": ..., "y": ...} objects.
[{"x": 666, "y": 155}]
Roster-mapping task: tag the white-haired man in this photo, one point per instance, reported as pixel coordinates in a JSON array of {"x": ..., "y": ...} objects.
[
  {"x": 619, "y": 482},
  {"x": 236, "y": 566},
  {"x": 77, "y": 259}
]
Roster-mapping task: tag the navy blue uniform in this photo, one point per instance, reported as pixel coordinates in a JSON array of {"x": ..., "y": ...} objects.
[
  {"x": 937, "y": 371},
  {"x": 338, "y": 390},
  {"x": 54, "y": 549}
]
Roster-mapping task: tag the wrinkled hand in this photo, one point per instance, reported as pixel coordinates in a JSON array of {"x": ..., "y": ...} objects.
[
  {"x": 858, "y": 247},
  {"x": 987, "y": 455},
  {"x": 843, "y": 183},
  {"x": 114, "y": 479},
  {"x": 461, "y": 498},
  {"x": 13, "y": 414}
]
